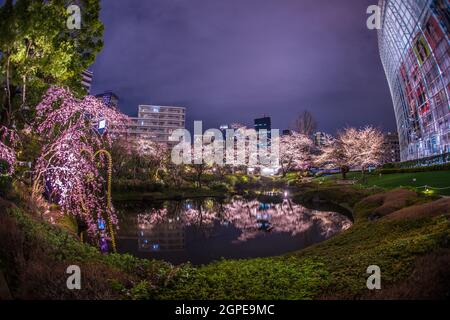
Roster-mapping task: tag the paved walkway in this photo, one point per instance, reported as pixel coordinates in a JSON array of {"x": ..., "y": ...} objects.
[{"x": 4, "y": 290}]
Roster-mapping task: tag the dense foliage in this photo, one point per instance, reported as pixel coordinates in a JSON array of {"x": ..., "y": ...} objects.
[{"x": 37, "y": 49}]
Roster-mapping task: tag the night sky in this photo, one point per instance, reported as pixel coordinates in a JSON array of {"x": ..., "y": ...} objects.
[{"x": 233, "y": 60}]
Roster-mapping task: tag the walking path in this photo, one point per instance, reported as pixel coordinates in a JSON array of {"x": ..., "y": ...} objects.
[{"x": 4, "y": 290}]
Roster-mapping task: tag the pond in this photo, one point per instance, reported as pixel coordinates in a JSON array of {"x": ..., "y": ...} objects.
[{"x": 204, "y": 230}]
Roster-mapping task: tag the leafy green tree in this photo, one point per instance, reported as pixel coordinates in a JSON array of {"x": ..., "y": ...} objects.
[{"x": 37, "y": 50}]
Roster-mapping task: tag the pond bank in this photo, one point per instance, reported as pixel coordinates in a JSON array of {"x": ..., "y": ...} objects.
[{"x": 404, "y": 249}]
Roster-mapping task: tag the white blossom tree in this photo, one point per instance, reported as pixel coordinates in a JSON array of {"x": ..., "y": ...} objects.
[
  {"x": 295, "y": 152},
  {"x": 353, "y": 148}
]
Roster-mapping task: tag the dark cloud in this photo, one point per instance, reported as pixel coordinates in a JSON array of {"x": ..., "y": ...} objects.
[{"x": 234, "y": 60}]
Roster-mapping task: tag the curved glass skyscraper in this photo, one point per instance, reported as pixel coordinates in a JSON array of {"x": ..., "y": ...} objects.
[{"x": 415, "y": 51}]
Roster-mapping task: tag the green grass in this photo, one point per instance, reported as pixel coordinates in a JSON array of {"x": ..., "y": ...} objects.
[{"x": 435, "y": 179}]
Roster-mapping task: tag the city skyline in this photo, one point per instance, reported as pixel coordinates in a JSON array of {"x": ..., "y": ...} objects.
[{"x": 226, "y": 65}]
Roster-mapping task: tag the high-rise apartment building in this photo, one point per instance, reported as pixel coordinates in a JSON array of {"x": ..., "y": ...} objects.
[
  {"x": 415, "y": 52},
  {"x": 87, "y": 77}
]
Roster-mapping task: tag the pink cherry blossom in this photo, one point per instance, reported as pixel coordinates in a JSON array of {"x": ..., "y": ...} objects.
[
  {"x": 66, "y": 170},
  {"x": 295, "y": 152},
  {"x": 8, "y": 140}
]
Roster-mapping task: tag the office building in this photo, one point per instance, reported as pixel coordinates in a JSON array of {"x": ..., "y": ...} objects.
[
  {"x": 264, "y": 123},
  {"x": 320, "y": 138},
  {"x": 391, "y": 148},
  {"x": 415, "y": 52},
  {"x": 110, "y": 99}
]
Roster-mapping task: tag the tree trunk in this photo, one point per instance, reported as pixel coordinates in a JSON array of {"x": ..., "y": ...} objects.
[
  {"x": 8, "y": 94},
  {"x": 344, "y": 170},
  {"x": 363, "y": 176}
]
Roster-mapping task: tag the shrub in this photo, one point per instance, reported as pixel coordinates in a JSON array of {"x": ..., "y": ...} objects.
[
  {"x": 5, "y": 184},
  {"x": 424, "y": 162},
  {"x": 4, "y": 166},
  {"x": 220, "y": 187}
]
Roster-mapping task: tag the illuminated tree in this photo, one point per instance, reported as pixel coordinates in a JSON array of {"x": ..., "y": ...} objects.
[
  {"x": 155, "y": 155},
  {"x": 305, "y": 123},
  {"x": 364, "y": 148},
  {"x": 66, "y": 170},
  {"x": 200, "y": 163},
  {"x": 37, "y": 49},
  {"x": 353, "y": 148},
  {"x": 295, "y": 152}
]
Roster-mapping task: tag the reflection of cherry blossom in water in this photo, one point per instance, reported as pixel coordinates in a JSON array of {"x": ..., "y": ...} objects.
[
  {"x": 148, "y": 220},
  {"x": 252, "y": 218},
  {"x": 284, "y": 217}
]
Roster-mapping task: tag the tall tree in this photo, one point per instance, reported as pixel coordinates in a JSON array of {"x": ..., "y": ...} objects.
[
  {"x": 305, "y": 123},
  {"x": 37, "y": 50}
]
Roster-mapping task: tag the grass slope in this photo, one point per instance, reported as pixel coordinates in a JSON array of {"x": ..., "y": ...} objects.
[
  {"x": 334, "y": 268},
  {"x": 35, "y": 254}
]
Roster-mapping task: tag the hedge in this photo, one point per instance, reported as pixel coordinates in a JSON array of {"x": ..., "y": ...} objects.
[
  {"x": 440, "y": 167},
  {"x": 430, "y": 161}
]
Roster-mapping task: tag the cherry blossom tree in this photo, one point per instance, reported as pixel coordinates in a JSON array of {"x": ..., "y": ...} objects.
[
  {"x": 353, "y": 148},
  {"x": 66, "y": 171},
  {"x": 295, "y": 152},
  {"x": 154, "y": 154},
  {"x": 332, "y": 155},
  {"x": 8, "y": 140},
  {"x": 202, "y": 161},
  {"x": 364, "y": 148}
]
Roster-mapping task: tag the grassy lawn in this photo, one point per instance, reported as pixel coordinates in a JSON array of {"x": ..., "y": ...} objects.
[{"x": 435, "y": 179}]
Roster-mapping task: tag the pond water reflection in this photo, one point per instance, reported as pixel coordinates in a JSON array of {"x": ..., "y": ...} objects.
[{"x": 201, "y": 231}]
